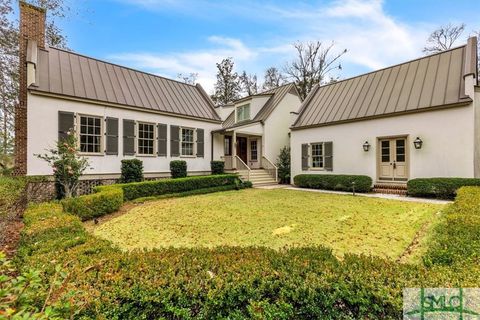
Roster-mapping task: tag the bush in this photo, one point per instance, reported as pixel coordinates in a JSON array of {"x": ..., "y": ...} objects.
[
  {"x": 441, "y": 188},
  {"x": 132, "y": 171},
  {"x": 218, "y": 167},
  {"x": 224, "y": 282},
  {"x": 178, "y": 169},
  {"x": 136, "y": 190},
  {"x": 337, "y": 182},
  {"x": 457, "y": 238},
  {"x": 94, "y": 205},
  {"x": 11, "y": 192},
  {"x": 283, "y": 165}
]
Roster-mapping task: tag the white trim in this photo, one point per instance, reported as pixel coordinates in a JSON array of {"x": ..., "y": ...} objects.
[
  {"x": 77, "y": 121},
  {"x": 137, "y": 137},
  {"x": 194, "y": 149}
]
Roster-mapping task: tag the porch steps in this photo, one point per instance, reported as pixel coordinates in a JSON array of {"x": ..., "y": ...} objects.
[
  {"x": 258, "y": 177},
  {"x": 390, "y": 188}
]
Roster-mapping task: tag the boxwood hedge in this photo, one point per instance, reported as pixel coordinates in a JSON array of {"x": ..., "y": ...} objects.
[
  {"x": 339, "y": 182},
  {"x": 442, "y": 188}
]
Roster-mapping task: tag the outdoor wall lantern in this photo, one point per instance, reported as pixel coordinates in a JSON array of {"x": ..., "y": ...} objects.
[
  {"x": 418, "y": 143},
  {"x": 366, "y": 146}
]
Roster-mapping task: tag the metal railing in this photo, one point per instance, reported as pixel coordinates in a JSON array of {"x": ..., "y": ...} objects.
[
  {"x": 270, "y": 167},
  {"x": 242, "y": 166},
  {"x": 228, "y": 162}
]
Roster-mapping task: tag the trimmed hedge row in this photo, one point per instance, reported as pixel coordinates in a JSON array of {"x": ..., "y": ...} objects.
[
  {"x": 442, "y": 188},
  {"x": 94, "y": 205},
  {"x": 338, "y": 182},
  {"x": 225, "y": 282},
  {"x": 456, "y": 240},
  {"x": 136, "y": 190}
]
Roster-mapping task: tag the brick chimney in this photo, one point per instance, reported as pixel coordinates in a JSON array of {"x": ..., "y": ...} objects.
[{"x": 32, "y": 35}]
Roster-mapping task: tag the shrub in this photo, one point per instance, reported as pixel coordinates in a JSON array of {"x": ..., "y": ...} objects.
[
  {"x": 178, "y": 169},
  {"x": 67, "y": 164},
  {"x": 457, "y": 238},
  {"x": 441, "y": 188},
  {"x": 11, "y": 192},
  {"x": 94, "y": 205},
  {"x": 168, "y": 186},
  {"x": 283, "y": 165},
  {"x": 218, "y": 167},
  {"x": 338, "y": 182},
  {"x": 132, "y": 171}
]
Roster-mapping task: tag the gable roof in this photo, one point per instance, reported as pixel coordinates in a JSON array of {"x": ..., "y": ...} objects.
[
  {"x": 76, "y": 76},
  {"x": 422, "y": 84},
  {"x": 276, "y": 95}
]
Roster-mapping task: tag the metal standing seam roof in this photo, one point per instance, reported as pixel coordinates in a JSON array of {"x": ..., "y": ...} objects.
[
  {"x": 428, "y": 82},
  {"x": 73, "y": 75},
  {"x": 277, "y": 94}
]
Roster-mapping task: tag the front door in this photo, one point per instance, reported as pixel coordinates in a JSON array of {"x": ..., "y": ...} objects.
[
  {"x": 392, "y": 159},
  {"x": 242, "y": 148}
]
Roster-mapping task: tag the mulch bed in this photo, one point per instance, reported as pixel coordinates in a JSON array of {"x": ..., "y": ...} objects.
[{"x": 10, "y": 235}]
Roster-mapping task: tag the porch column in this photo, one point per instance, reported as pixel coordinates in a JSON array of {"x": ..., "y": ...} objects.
[{"x": 234, "y": 149}]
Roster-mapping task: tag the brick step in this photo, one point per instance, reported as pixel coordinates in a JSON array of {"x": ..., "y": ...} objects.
[{"x": 399, "y": 189}]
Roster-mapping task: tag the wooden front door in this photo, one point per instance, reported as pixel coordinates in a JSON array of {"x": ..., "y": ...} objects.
[
  {"x": 242, "y": 148},
  {"x": 392, "y": 159}
]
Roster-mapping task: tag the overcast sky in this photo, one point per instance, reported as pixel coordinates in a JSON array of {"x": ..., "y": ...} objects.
[{"x": 167, "y": 37}]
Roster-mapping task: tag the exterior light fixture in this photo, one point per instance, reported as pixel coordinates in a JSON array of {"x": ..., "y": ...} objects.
[
  {"x": 366, "y": 146},
  {"x": 418, "y": 143}
]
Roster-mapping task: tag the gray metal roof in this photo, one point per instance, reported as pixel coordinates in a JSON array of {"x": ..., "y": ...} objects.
[
  {"x": 73, "y": 75},
  {"x": 277, "y": 94},
  {"x": 418, "y": 85}
]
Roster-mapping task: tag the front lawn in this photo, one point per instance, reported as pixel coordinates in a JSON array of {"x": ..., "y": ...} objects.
[{"x": 272, "y": 218}]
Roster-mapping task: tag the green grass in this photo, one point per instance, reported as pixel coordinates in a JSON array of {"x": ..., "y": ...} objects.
[{"x": 272, "y": 218}]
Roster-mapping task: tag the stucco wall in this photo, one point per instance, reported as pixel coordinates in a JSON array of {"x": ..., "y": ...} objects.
[
  {"x": 277, "y": 126},
  {"x": 43, "y": 133},
  {"x": 448, "y": 148}
]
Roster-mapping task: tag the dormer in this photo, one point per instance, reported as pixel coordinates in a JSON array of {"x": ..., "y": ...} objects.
[{"x": 247, "y": 108}]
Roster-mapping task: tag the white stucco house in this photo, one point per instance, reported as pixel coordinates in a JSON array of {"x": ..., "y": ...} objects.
[
  {"x": 417, "y": 119},
  {"x": 120, "y": 113}
]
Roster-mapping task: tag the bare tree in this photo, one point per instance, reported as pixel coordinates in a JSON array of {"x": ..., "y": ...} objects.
[
  {"x": 273, "y": 78},
  {"x": 443, "y": 38},
  {"x": 227, "y": 87},
  {"x": 190, "y": 78},
  {"x": 313, "y": 63},
  {"x": 248, "y": 83}
]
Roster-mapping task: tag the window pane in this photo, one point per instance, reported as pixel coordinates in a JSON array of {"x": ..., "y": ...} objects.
[
  {"x": 400, "y": 150},
  {"x": 146, "y": 135},
  {"x": 385, "y": 145}
]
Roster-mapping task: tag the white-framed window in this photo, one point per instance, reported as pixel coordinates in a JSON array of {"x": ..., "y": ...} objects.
[
  {"x": 253, "y": 150},
  {"x": 145, "y": 138},
  {"x": 187, "y": 142},
  {"x": 243, "y": 112},
  {"x": 318, "y": 156},
  {"x": 90, "y": 134},
  {"x": 227, "y": 146}
]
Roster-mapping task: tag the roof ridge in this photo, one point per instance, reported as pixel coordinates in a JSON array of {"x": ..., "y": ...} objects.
[{"x": 119, "y": 65}]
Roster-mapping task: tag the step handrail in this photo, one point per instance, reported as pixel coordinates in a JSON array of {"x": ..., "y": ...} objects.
[
  {"x": 243, "y": 164},
  {"x": 270, "y": 166}
]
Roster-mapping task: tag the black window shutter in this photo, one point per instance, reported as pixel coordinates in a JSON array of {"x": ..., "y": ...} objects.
[
  {"x": 305, "y": 156},
  {"x": 162, "y": 140},
  {"x": 66, "y": 122},
  {"x": 328, "y": 146},
  {"x": 128, "y": 137},
  {"x": 200, "y": 143},
  {"x": 174, "y": 141},
  {"x": 111, "y": 133}
]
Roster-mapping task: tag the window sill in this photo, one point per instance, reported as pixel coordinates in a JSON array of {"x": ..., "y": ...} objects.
[
  {"x": 91, "y": 154},
  {"x": 146, "y": 155},
  {"x": 187, "y": 156},
  {"x": 316, "y": 169}
]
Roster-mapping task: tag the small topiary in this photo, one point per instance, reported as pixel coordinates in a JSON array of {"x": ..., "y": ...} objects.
[
  {"x": 178, "y": 168},
  {"x": 132, "y": 171},
  {"x": 283, "y": 165},
  {"x": 218, "y": 167}
]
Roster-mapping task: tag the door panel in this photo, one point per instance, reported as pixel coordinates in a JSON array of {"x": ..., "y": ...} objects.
[
  {"x": 242, "y": 148},
  {"x": 392, "y": 159}
]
